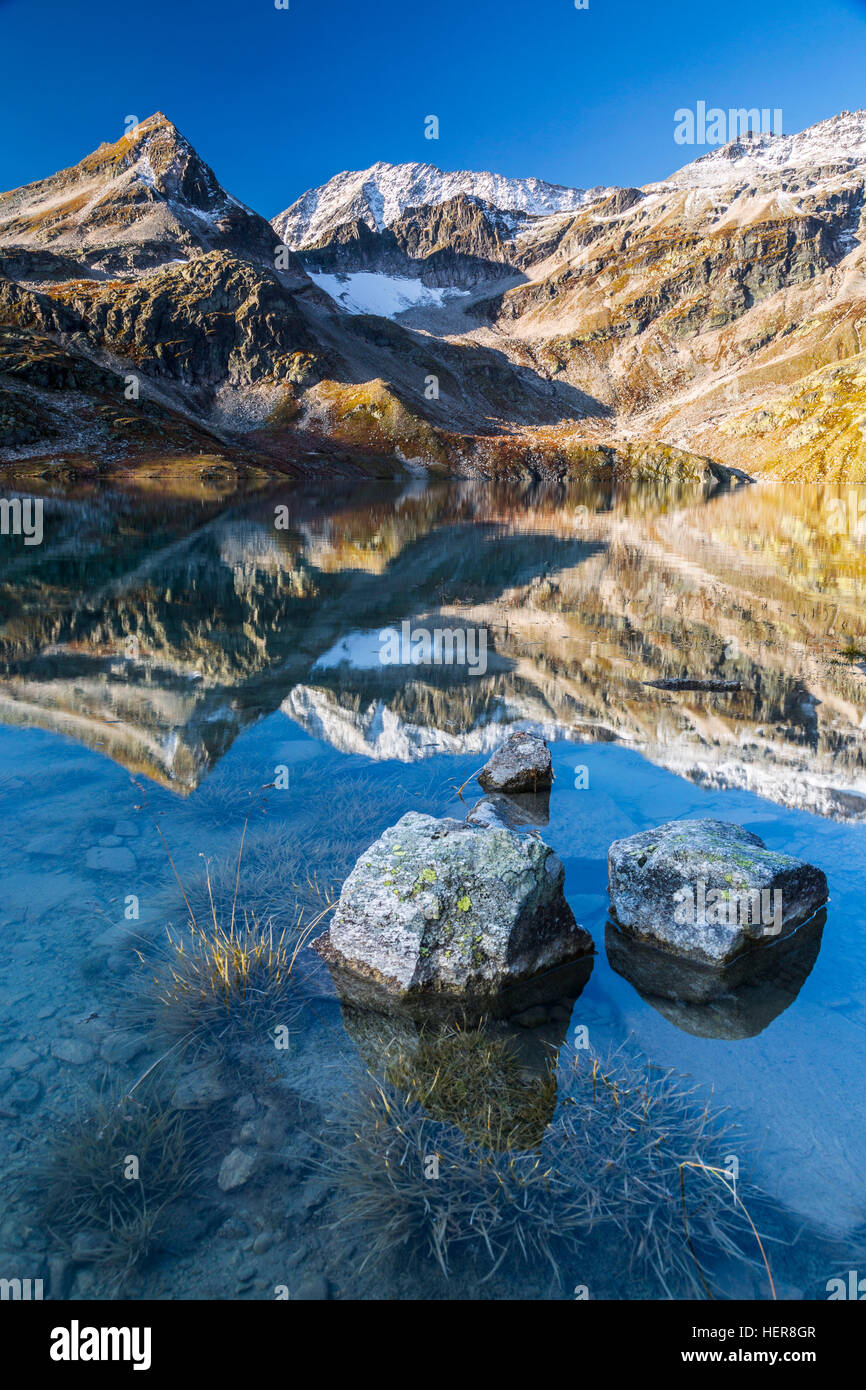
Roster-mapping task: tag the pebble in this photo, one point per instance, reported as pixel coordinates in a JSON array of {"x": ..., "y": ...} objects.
[
  {"x": 87, "y": 1245},
  {"x": 23, "y": 1094},
  {"x": 122, "y": 1047},
  {"x": 245, "y": 1106},
  {"x": 262, "y": 1243},
  {"x": 118, "y": 861},
  {"x": 71, "y": 1051},
  {"x": 236, "y": 1169},
  {"x": 200, "y": 1087},
  {"x": 22, "y": 1059},
  {"x": 313, "y": 1290}
]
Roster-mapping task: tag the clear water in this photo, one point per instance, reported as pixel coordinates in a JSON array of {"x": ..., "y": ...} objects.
[{"x": 163, "y": 658}]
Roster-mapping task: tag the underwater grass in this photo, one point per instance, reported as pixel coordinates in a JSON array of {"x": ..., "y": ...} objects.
[
  {"x": 627, "y": 1136},
  {"x": 414, "y": 1185},
  {"x": 631, "y": 1153},
  {"x": 472, "y": 1078},
  {"x": 90, "y": 1204}
]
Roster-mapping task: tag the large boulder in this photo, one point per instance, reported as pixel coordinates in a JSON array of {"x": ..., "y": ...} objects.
[
  {"x": 522, "y": 764},
  {"x": 442, "y": 906},
  {"x": 708, "y": 890}
]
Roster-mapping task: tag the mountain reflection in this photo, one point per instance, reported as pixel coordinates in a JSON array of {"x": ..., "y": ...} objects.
[{"x": 156, "y": 629}]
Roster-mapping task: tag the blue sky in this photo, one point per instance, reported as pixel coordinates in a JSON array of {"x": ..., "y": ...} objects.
[{"x": 278, "y": 100}]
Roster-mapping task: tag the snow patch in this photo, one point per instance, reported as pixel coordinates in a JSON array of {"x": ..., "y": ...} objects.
[{"x": 367, "y": 292}]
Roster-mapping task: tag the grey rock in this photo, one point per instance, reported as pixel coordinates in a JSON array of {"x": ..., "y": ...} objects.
[
  {"x": 122, "y": 1047},
  {"x": 118, "y": 861},
  {"x": 22, "y": 1095},
  {"x": 441, "y": 906},
  {"x": 236, "y": 1169},
  {"x": 87, "y": 1246},
  {"x": 520, "y": 809},
  {"x": 70, "y": 1050},
  {"x": 707, "y": 890},
  {"x": 245, "y": 1106},
  {"x": 200, "y": 1087},
  {"x": 522, "y": 764},
  {"x": 313, "y": 1290},
  {"x": 22, "y": 1059}
]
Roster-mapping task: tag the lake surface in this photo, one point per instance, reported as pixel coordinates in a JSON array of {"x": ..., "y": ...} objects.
[{"x": 165, "y": 658}]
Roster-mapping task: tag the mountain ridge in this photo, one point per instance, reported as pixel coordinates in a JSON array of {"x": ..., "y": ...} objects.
[{"x": 713, "y": 319}]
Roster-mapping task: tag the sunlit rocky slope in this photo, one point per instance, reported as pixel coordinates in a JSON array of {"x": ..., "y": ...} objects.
[{"x": 512, "y": 325}]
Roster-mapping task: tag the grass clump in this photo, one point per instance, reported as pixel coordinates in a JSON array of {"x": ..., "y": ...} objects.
[
  {"x": 417, "y": 1186},
  {"x": 219, "y": 982},
  {"x": 630, "y": 1155},
  {"x": 645, "y": 1160},
  {"x": 473, "y": 1079},
  {"x": 103, "y": 1208}
]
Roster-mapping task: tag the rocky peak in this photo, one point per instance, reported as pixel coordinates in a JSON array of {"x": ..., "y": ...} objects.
[
  {"x": 380, "y": 195},
  {"x": 835, "y": 145},
  {"x": 139, "y": 202}
]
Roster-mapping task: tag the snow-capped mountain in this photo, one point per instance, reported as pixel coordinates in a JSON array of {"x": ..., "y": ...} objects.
[
  {"x": 717, "y": 314},
  {"x": 378, "y": 196},
  {"x": 836, "y": 146}
]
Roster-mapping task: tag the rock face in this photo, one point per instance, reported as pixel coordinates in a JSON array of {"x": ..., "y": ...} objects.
[
  {"x": 522, "y": 764},
  {"x": 707, "y": 890},
  {"x": 440, "y": 906}
]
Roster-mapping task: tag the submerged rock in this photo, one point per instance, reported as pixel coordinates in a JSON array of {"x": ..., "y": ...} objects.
[
  {"x": 236, "y": 1169},
  {"x": 708, "y": 890},
  {"x": 522, "y": 764},
  {"x": 442, "y": 906},
  {"x": 513, "y": 811}
]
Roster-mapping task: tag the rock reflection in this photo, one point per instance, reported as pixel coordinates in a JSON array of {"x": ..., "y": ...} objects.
[
  {"x": 739, "y": 1001},
  {"x": 488, "y": 1067}
]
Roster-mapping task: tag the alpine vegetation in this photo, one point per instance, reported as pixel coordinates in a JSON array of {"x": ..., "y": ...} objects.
[{"x": 633, "y": 1152}]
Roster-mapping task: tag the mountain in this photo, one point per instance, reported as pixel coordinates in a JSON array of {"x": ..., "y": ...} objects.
[
  {"x": 380, "y": 195},
  {"x": 140, "y": 202},
  {"x": 403, "y": 317}
]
